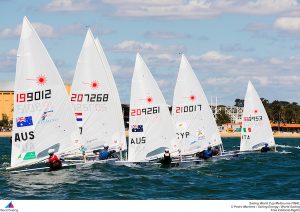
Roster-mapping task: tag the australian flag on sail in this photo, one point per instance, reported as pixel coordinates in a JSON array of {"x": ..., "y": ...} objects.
[
  {"x": 24, "y": 121},
  {"x": 137, "y": 128},
  {"x": 78, "y": 116}
]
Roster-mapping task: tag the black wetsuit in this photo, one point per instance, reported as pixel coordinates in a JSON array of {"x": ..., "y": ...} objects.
[
  {"x": 265, "y": 149},
  {"x": 166, "y": 160}
]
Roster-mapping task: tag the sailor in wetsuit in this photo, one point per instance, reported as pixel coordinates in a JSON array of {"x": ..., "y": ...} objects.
[
  {"x": 166, "y": 160},
  {"x": 265, "y": 148},
  {"x": 54, "y": 161},
  {"x": 207, "y": 153}
]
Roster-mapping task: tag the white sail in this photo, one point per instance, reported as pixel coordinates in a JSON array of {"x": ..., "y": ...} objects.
[
  {"x": 196, "y": 127},
  {"x": 256, "y": 128},
  {"x": 95, "y": 99},
  {"x": 150, "y": 126},
  {"x": 43, "y": 116}
]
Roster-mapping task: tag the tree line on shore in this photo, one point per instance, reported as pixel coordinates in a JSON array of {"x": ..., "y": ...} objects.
[{"x": 278, "y": 111}]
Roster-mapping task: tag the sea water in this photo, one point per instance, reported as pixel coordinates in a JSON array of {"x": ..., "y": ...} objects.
[{"x": 254, "y": 176}]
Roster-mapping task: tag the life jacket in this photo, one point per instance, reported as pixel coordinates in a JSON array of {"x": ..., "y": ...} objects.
[
  {"x": 54, "y": 162},
  {"x": 104, "y": 154},
  {"x": 207, "y": 154}
]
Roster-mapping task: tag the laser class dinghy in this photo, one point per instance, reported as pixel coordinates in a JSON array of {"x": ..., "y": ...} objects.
[
  {"x": 96, "y": 101},
  {"x": 256, "y": 128},
  {"x": 196, "y": 127},
  {"x": 150, "y": 126},
  {"x": 43, "y": 118}
]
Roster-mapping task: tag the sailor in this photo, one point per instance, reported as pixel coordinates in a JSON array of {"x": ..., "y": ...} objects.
[
  {"x": 104, "y": 153},
  {"x": 166, "y": 160},
  {"x": 82, "y": 150},
  {"x": 266, "y": 148},
  {"x": 83, "y": 156},
  {"x": 54, "y": 161},
  {"x": 216, "y": 150},
  {"x": 207, "y": 153}
]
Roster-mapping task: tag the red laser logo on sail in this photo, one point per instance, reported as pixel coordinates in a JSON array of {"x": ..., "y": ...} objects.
[
  {"x": 94, "y": 85},
  {"x": 192, "y": 97},
  {"x": 149, "y": 99},
  {"x": 40, "y": 80}
]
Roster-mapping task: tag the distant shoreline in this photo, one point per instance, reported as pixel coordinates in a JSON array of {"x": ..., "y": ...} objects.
[
  {"x": 276, "y": 135},
  {"x": 223, "y": 134}
]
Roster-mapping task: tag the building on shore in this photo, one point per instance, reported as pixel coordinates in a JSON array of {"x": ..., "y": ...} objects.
[
  {"x": 6, "y": 99},
  {"x": 294, "y": 128}
]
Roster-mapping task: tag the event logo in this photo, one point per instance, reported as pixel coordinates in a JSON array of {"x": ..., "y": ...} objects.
[
  {"x": 47, "y": 117},
  {"x": 46, "y": 114},
  {"x": 200, "y": 135},
  {"x": 10, "y": 205},
  {"x": 9, "y": 208}
]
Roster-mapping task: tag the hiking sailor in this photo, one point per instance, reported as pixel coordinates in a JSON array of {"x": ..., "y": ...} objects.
[
  {"x": 207, "y": 153},
  {"x": 166, "y": 160},
  {"x": 104, "y": 154},
  {"x": 266, "y": 148},
  {"x": 54, "y": 161}
]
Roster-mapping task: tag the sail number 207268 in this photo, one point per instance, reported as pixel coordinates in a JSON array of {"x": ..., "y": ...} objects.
[{"x": 78, "y": 97}]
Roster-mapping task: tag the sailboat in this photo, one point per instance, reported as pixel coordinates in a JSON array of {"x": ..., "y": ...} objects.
[
  {"x": 196, "y": 127},
  {"x": 150, "y": 126},
  {"x": 43, "y": 117},
  {"x": 256, "y": 128},
  {"x": 95, "y": 99}
]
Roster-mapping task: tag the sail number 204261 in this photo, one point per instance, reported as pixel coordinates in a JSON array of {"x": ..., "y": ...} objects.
[{"x": 144, "y": 111}]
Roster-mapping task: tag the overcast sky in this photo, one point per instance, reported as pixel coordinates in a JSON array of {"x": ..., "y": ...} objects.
[{"x": 227, "y": 42}]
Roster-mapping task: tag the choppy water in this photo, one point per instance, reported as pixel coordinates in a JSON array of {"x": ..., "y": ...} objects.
[{"x": 255, "y": 176}]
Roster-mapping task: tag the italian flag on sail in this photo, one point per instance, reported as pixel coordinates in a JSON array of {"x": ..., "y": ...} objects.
[{"x": 247, "y": 129}]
